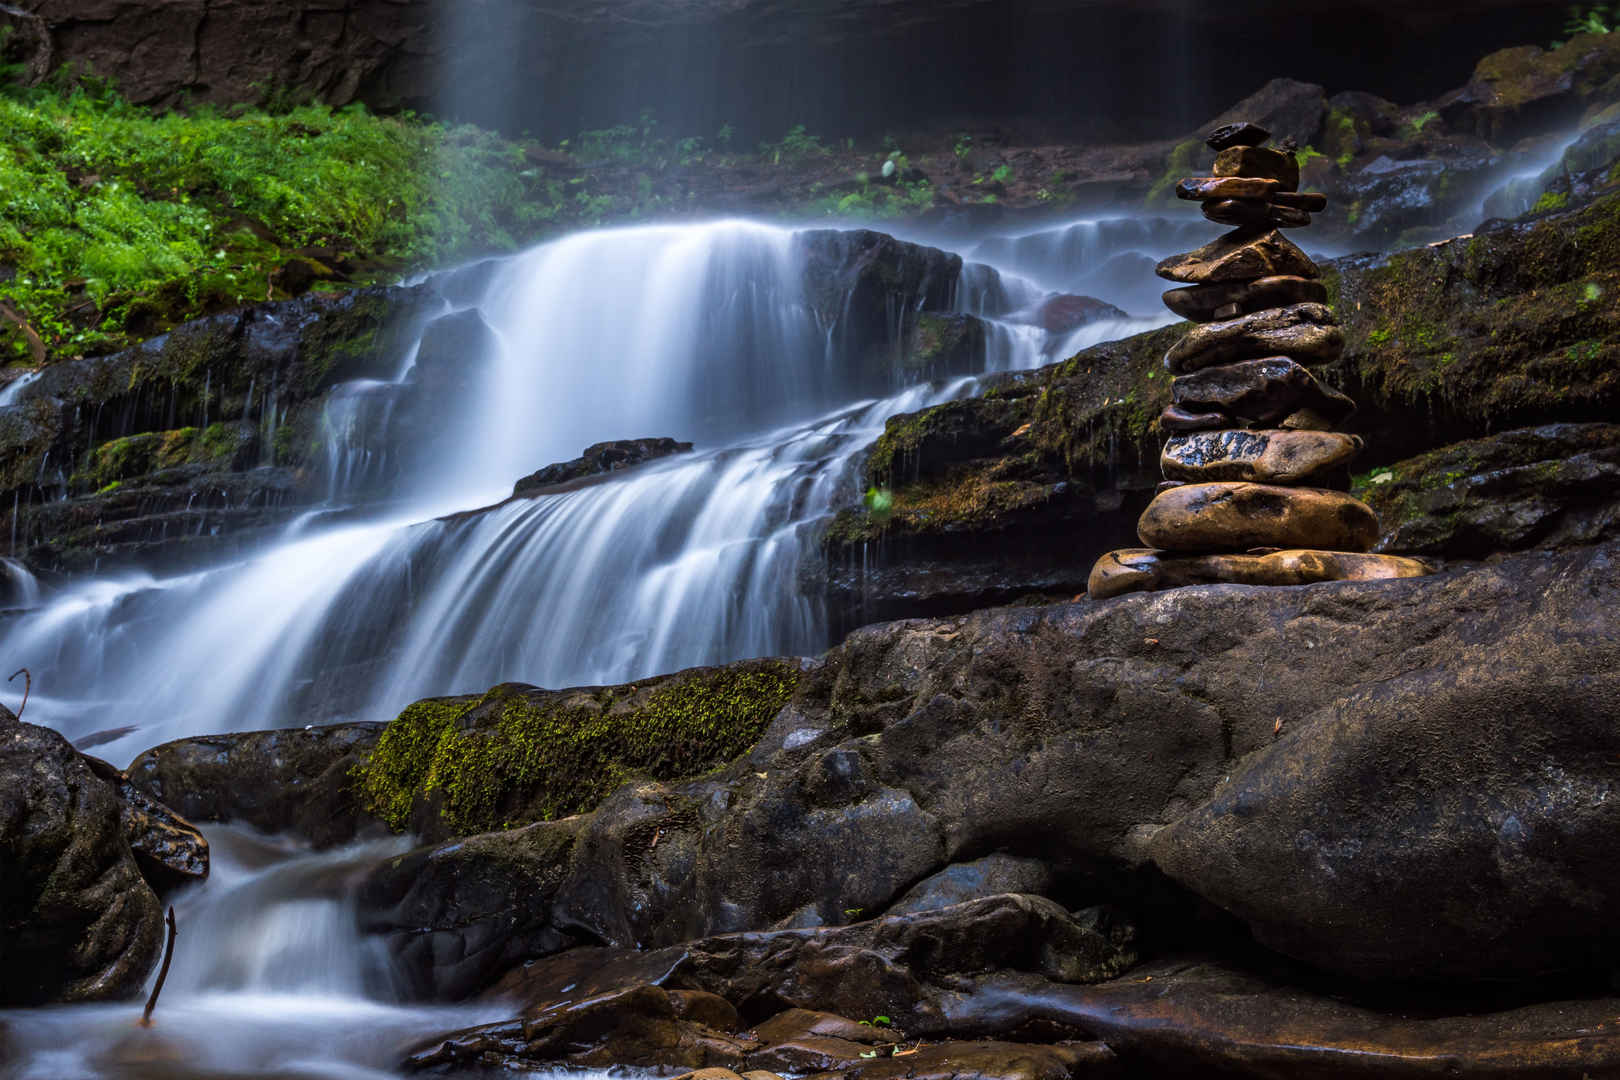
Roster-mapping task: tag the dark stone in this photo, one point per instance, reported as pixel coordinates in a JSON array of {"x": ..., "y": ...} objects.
[
  {"x": 1311, "y": 201},
  {"x": 599, "y": 460},
  {"x": 1242, "y": 133},
  {"x": 1261, "y": 392},
  {"x": 1218, "y": 517},
  {"x": 1288, "y": 108},
  {"x": 1242, "y": 255},
  {"x": 1216, "y": 188},
  {"x": 168, "y": 849},
  {"x": 1064, "y": 314},
  {"x": 1200, "y": 303},
  {"x": 294, "y": 780},
  {"x": 1177, "y": 419},
  {"x": 1552, "y": 486},
  {"x": 1254, "y": 161},
  {"x": 975, "y": 880},
  {"x": 77, "y": 922},
  {"x": 1254, "y": 214},
  {"x": 1309, "y": 333}
]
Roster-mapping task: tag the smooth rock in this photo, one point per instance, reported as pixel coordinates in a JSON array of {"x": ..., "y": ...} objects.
[
  {"x": 1147, "y": 569},
  {"x": 1306, "y": 420},
  {"x": 1313, "y": 202},
  {"x": 598, "y": 460},
  {"x": 1309, "y": 333},
  {"x": 1197, "y": 1018},
  {"x": 1207, "y": 188},
  {"x": 809, "y": 1023},
  {"x": 77, "y": 921},
  {"x": 994, "y": 1060},
  {"x": 1200, "y": 303},
  {"x": 1237, "y": 517},
  {"x": 1241, "y": 255},
  {"x": 1177, "y": 419},
  {"x": 1243, "y": 133},
  {"x": 1264, "y": 163},
  {"x": 1254, "y": 213},
  {"x": 961, "y": 882},
  {"x": 1261, "y": 457},
  {"x": 1260, "y": 391},
  {"x": 808, "y": 1054}
]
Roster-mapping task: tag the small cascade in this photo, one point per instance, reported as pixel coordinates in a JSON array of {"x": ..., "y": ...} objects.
[
  {"x": 1109, "y": 258},
  {"x": 270, "y": 977}
]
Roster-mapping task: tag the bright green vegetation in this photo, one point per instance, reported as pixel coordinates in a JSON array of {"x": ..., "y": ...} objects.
[
  {"x": 1593, "y": 19},
  {"x": 518, "y": 755},
  {"x": 115, "y": 220}
]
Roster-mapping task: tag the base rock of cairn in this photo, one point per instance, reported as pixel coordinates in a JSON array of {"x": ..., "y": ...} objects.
[{"x": 1252, "y": 462}]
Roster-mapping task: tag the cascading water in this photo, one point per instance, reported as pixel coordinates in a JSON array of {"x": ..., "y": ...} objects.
[{"x": 693, "y": 331}]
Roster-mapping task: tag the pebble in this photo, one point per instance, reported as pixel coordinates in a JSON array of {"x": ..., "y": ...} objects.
[
  {"x": 1241, "y": 134},
  {"x": 1203, "y": 303},
  {"x": 1312, "y": 201},
  {"x": 1203, "y": 188},
  {"x": 1241, "y": 255},
  {"x": 1263, "y": 391},
  {"x": 1306, "y": 332},
  {"x": 1175, "y": 418},
  {"x": 1267, "y": 456},
  {"x": 1239, "y": 516},
  {"x": 1143, "y": 569}
]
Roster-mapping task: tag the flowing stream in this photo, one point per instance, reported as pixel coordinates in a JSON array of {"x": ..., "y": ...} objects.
[{"x": 701, "y": 332}]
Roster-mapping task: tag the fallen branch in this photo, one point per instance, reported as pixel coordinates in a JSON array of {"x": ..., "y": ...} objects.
[
  {"x": 36, "y": 344},
  {"x": 163, "y": 973},
  {"x": 28, "y": 684}
]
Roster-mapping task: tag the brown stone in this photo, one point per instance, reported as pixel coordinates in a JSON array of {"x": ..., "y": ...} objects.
[
  {"x": 1201, "y": 303},
  {"x": 1260, "y": 457},
  {"x": 1307, "y": 420},
  {"x": 1241, "y": 255},
  {"x": 1147, "y": 569},
  {"x": 1313, "y": 202},
  {"x": 1238, "y": 516},
  {"x": 1307, "y": 332},
  {"x": 1205, "y": 188},
  {"x": 1244, "y": 133},
  {"x": 1252, "y": 162},
  {"x": 985, "y": 1061},
  {"x": 1254, "y": 213},
  {"x": 701, "y": 1007},
  {"x": 808, "y": 1023},
  {"x": 1261, "y": 392},
  {"x": 808, "y": 1054},
  {"x": 1176, "y": 418}
]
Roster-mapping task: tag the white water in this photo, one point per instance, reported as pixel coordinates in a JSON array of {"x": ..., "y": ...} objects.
[{"x": 700, "y": 332}]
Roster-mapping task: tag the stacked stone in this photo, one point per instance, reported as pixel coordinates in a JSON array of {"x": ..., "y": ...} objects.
[{"x": 1256, "y": 476}]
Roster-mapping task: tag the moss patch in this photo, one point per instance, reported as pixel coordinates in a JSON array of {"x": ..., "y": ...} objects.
[{"x": 517, "y": 754}]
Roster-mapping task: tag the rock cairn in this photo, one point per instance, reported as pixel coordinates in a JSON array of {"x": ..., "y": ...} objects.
[{"x": 1255, "y": 474}]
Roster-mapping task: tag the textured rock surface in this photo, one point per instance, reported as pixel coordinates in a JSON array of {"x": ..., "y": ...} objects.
[
  {"x": 293, "y": 780},
  {"x": 1259, "y": 392},
  {"x": 1262, "y": 457},
  {"x": 598, "y": 460},
  {"x": 77, "y": 921},
  {"x": 1307, "y": 332},
  {"x": 1242, "y": 255},
  {"x": 1144, "y": 569}
]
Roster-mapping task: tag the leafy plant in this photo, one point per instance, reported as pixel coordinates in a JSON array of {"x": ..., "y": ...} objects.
[
  {"x": 1002, "y": 173},
  {"x": 963, "y": 147},
  {"x": 1596, "y": 19},
  {"x": 1422, "y": 120}
]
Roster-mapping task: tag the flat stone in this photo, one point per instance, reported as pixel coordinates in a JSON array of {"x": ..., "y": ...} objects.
[
  {"x": 1260, "y": 457},
  {"x": 1200, "y": 303},
  {"x": 1242, "y": 255},
  {"x": 1254, "y": 213},
  {"x": 1147, "y": 569},
  {"x": 1313, "y": 202},
  {"x": 1176, "y": 418},
  {"x": 1238, "y": 516},
  {"x": 1204, "y": 188},
  {"x": 1256, "y": 162},
  {"x": 1245, "y": 133},
  {"x": 808, "y": 1023},
  {"x": 1262, "y": 392},
  {"x": 1307, "y": 332},
  {"x": 1307, "y": 420}
]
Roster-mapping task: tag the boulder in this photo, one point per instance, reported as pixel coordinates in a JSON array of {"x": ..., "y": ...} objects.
[
  {"x": 77, "y": 920},
  {"x": 293, "y": 780},
  {"x": 168, "y": 849},
  {"x": 598, "y": 460},
  {"x": 1238, "y": 517},
  {"x": 1239, "y": 256},
  {"x": 1524, "y": 90},
  {"x": 1551, "y": 486},
  {"x": 1287, "y": 108},
  {"x": 961, "y": 882}
]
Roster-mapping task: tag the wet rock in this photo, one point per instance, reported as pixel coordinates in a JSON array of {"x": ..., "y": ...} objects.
[
  {"x": 1258, "y": 391},
  {"x": 1200, "y": 302},
  {"x": 1254, "y": 214},
  {"x": 1313, "y": 202},
  {"x": 293, "y": 780},
  {"x": 77, "y": 921},
  {"x": 1237, "y": 517},
  {"x": 1064, "y": 314},
  {"x": 991, "y": 1060},
  {"x": 1196, "y": 1015},
  {"x": 944, "y": 346},
  {"x": 808, "y": 1023},
  {"x": 1521, "y": 91},
  {"x": 1262, "y": 457},
  {"x": 808, "y": 1054},
  {"x": 1243, "y": 255},
  {"x": 168, "y": 849},
  {"x": 1144, "y": 569},
  {"x": 1290, "y": 109},
  {"x": 1243, "y": 133},
  {"x": 975, "y": 880},
  {"x": 705, "y": 1008},
  {"x": 597, "y": 460},
  {"x": 1255, "y": 161},
  {"x": 1552, "y": 486},
  {"x": 1215, "y": 188},
  {"x": 1309, "y": 333}
]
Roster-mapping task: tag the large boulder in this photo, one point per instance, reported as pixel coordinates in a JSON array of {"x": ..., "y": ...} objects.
[{"x": 77, "y": 921}]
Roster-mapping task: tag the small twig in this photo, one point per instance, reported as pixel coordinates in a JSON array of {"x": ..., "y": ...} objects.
[
  {"x": 28, "y": 684},
  {"x": 163, "y": 973},
  {"x": 36, "y": 345}
]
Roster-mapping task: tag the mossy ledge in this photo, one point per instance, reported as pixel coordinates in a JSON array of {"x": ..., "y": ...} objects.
[{"x": 518, "y": 754}]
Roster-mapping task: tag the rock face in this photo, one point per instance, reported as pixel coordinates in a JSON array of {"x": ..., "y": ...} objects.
[
  {"x": 1381, "y": 756},
  {"x": 77, "y": 921},
  {"x": 598, "y": 460}
]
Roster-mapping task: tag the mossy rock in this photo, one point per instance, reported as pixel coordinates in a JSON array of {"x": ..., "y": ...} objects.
[
  {"x": 223, "y": 446},
  {"x": 518, "y": 754}
]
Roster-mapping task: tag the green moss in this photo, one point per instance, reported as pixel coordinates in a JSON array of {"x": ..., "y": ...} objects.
[
  {"x": 517, "y": 754},
  {"x": 1550, "y": 200}
]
